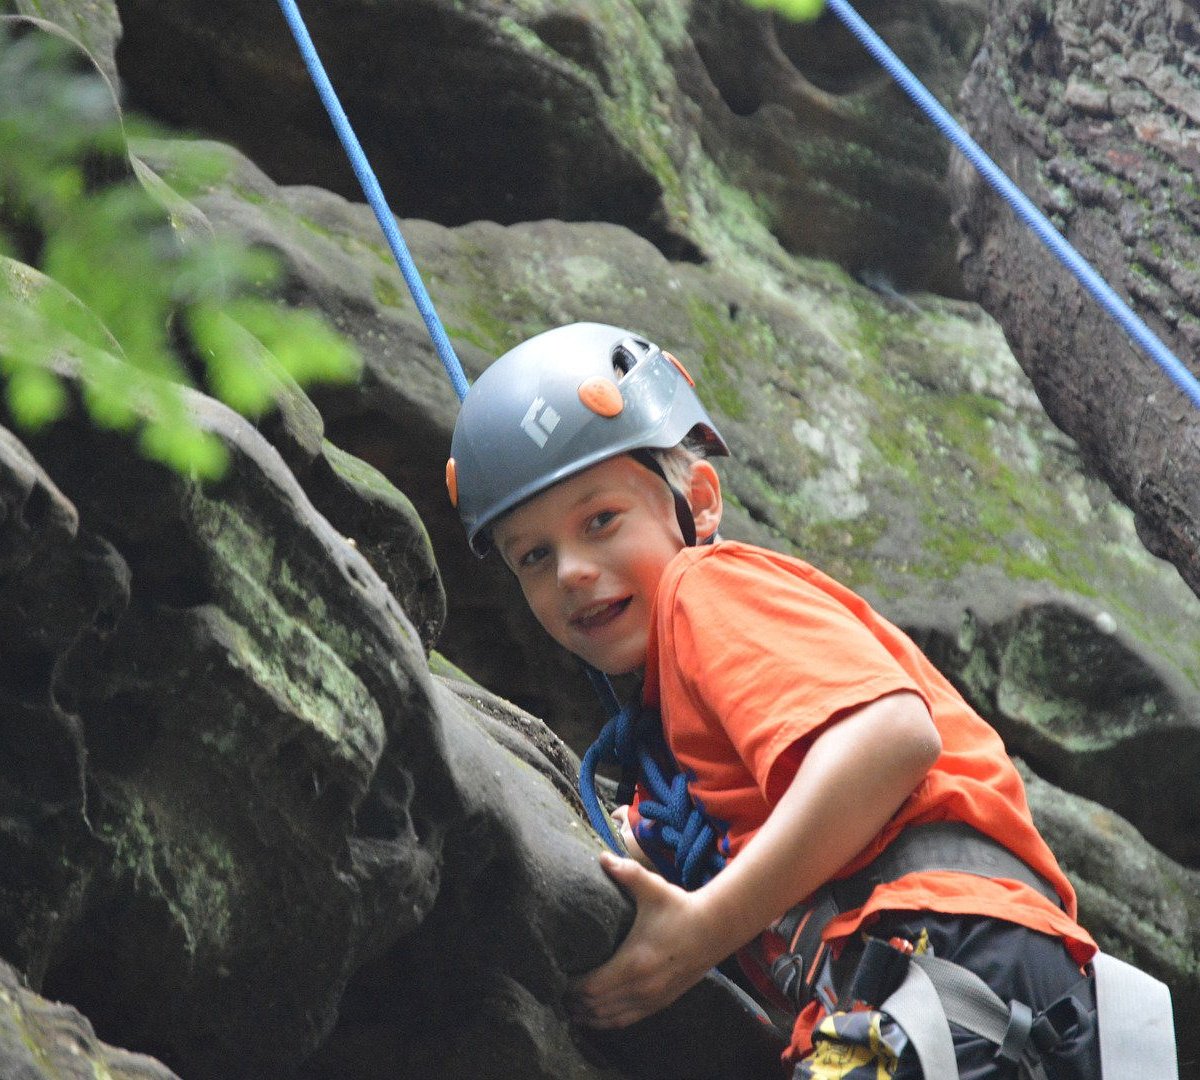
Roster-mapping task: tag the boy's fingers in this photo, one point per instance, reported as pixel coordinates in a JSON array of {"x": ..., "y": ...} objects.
[
  {"x": 615, "y": 866},
  {"x": 631, "y": 874},
  {"x": 639, "y": 978}
]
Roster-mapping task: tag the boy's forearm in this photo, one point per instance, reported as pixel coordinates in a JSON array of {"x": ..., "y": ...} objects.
[{"x": 853, "y": 779}]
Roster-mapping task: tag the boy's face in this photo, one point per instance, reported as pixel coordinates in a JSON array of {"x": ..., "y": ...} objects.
[{"x": 589, "y": 553}]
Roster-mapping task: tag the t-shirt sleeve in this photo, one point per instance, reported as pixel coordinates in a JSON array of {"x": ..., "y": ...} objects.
[{"x": 772, "y": 657}]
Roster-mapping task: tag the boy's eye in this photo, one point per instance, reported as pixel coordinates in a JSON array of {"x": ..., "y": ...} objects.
[
  {"x": 532, "y": 557},
  {"x": 600, "y": 520}
]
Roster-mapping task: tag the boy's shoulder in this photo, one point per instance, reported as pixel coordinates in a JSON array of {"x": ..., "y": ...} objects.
[
  {"x": 735, "y": 566},
  {"x": 734, "y": 575},
  {"x": 738, "y": 553}
]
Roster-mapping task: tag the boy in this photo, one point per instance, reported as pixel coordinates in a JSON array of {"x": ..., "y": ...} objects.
[{"x": 814, "y": 735}]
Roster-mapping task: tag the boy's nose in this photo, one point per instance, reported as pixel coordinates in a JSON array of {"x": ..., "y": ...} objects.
[{"x": 575, "y": 569}]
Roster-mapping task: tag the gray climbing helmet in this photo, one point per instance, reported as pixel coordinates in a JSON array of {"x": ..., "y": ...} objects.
[{"x": 559, "y": 403}]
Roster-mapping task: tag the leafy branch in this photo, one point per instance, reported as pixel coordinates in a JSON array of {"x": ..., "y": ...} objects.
[{"x": 102, "y": 281}]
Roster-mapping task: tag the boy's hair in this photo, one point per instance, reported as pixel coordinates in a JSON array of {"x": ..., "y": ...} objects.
[{"x": 676, "y": 463}]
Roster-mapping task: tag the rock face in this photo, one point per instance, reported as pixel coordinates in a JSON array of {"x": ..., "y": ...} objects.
[
  {"x": 43, "y": 1041},
  {"x": 658, "y": 117},
  {"x": 252, "y": 823},
  {"x": 220, "y": 617},
  {"x": 232, "y": 784}
]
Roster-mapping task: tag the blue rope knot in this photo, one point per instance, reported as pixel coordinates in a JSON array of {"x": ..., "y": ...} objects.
[
  {"x": 674, "y": 832},
  {"x": 672, "y": 820}
]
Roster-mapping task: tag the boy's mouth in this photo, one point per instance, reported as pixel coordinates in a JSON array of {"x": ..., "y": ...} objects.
[{"x": 595, "y": 616}]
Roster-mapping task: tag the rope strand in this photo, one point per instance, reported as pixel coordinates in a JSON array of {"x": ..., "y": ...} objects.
[{"x": 374, "y": 193}]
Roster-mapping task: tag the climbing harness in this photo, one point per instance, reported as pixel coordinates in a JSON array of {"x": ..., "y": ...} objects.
[
  {"x": 1136, "y": 1029},
  {"x": 803, "y": 968},
  {"x": 923, "y": 994}
]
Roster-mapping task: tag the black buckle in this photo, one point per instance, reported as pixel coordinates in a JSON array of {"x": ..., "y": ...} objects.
[{"x": 880, "y": 971}]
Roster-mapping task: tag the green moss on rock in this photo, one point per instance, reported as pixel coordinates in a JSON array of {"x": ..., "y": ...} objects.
[{"x": 182, "y": 865}]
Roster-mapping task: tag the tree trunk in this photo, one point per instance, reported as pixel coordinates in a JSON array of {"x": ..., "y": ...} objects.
[{"x": 1093, "y": 107}]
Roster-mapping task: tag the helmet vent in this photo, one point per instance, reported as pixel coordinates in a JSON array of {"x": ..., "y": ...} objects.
[{"x": 623, "y": 360}]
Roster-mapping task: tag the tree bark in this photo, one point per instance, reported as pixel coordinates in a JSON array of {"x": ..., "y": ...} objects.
[{"x": 1093, "y": 107}]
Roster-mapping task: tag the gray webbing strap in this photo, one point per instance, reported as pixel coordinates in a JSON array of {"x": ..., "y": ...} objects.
[
  {"x": 1137, "y": 1028},
  {"x": 966, "y": 999},
  {"x": 916, "y": 1008},
  {"x": 936, "y": 993},
  {"x": 970, "y": 1003}
]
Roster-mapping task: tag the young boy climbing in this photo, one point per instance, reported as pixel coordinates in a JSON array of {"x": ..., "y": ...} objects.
[{"x": 854, "y": 795}]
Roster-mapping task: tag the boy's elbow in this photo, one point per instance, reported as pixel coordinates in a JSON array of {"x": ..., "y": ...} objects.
[
  {"x": 926, "y": 737},
  {"x": 919, "y": 733},
  {"x": 932, "y": 747}
]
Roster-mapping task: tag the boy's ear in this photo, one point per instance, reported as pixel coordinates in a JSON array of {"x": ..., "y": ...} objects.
[{"x": 705, "y": 498}]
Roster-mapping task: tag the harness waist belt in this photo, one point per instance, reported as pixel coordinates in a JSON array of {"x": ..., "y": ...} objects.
[{"x": 939, "y": 845}]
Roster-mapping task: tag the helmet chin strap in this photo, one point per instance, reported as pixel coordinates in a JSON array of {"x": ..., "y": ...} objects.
[{"x": 683, "y": 510}]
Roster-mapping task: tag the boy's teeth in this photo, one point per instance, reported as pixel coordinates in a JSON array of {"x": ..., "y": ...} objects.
[{"x": 594, "y": 612}]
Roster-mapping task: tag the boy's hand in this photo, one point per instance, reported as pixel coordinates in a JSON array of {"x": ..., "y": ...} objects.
[
  {"x": 665, "y": 953},
  {"x": 621, "y": 816}
]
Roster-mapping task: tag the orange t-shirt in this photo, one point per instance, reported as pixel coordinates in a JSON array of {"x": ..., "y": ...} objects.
[{"x": 753, "y": 652}]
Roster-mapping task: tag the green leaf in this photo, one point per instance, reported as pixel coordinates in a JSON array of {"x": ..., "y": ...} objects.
[
  {"x": 121, "y": 267},
  {"x": 35, "y": 396},
  {"x": 186, "y": 449},
  {"x": 108, "y": 403},
  {"x": 238, "y": 379},
  {"x": 796, "y": 10},
  {"x": 306, "y": 347}
]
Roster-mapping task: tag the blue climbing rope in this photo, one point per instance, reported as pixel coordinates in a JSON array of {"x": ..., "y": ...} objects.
[
  {"x": 1104, "y": 294},
  {"x": 374, "y": 193},
  {"x": 675, "y": 833}
]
